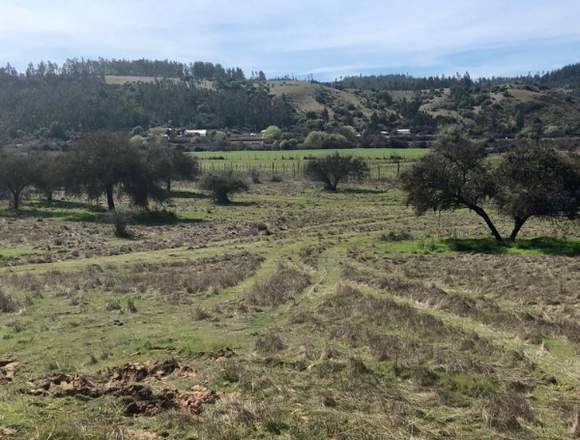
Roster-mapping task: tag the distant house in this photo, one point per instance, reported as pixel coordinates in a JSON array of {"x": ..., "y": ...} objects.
[
  {"x": 201, "y": 133},
  {"x": 403, "y": 131}
]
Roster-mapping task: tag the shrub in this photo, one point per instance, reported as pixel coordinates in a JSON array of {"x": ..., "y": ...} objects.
[
  {"x": 321, "y": 139},
  {"x": 131, "y": 307},
  {"x": 120, "y": 218},
  {"x": 137, "y": 140},
  {"x": 332, "y": 169},
  {"x": 288, "y": 144},
  {"x": 269, "y": 343},
  {"x": 222, "y": 186},
  {"x": 397, "y": 236},
  {"x": 255, "y": 175},
  {"x": 7, "y": 303},
  {"x": 137, "y": 131},
  {"x": 200, "y": 314},
  {"x": 272, "y": 133}
]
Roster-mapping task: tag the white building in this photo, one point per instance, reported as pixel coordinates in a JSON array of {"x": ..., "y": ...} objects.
[{"x": 202, "y": 133}]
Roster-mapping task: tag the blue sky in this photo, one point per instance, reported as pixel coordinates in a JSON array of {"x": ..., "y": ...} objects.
[{"x": 322, "y": 37}]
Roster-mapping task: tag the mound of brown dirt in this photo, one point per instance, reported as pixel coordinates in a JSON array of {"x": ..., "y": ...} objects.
[
  {"x": 223, "y": 353},
  {"x": 142, "y": 400},
  {"x": 8, "y": 369},
  {"x": 130, "y": 384},
  {"x": 63, "y": 385},
  {"x": 147, "y": 372}
]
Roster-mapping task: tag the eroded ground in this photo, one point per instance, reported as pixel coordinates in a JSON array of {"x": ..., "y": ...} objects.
[{"x": 291, "y": 313}]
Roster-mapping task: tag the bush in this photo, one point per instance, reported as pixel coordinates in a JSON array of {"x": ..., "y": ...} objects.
[
  {"x": 120, "y": 218},
  {"x": 288, "y": 144},
  {"x": 137, "y": 131},
  {"x": 272, "y": 133},
  {"x": 270, "y": 343},
  {"x": 332, "y": 169},
  {"x": 397, "y": 236},
  {"x": 321, "y": 139},
  {"x": 137, "y": 140},
  {"x": 57, "y": 131},
  {"x": 255, "y": 175},
  {"x": 7, "y": 303},
  {"x": 222, "y": 185}
]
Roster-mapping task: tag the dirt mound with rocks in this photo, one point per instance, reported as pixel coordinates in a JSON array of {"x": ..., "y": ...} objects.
[
  {"x": 8, "y": 369},
  {"x": 130, "y": 383}
]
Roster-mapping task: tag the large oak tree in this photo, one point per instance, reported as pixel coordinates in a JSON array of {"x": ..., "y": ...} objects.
[{"x": 532, "y": 180}]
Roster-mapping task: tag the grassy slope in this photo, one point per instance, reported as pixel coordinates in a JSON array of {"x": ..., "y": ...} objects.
[{"x": 446, "y": 370}]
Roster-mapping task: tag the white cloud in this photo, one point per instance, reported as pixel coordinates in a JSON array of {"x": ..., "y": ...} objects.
[{"x": 319, "y": 36}]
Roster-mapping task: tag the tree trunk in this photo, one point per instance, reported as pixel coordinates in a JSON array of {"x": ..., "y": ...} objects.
[
  {"x": 518, "y": 223},
  {"x": 332, "y": 183},
  {"x": 481, "y": 212},
  {"x": 168, "y": 183},
  {"x": 222, "y": 199},
  {"x": 49, "y": 196},
  {"x": 110, "y": 199},
  {"x": 15, "y": 200}
]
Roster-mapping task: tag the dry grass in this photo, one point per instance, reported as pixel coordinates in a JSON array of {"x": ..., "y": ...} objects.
[
  {"x": 270, "y": 343},
  {"x": 527, "y": 323},
  {"x": 175, "y": 281},
  {"x": 504, "y": 412},
  {"x": 284, "y": 285}
]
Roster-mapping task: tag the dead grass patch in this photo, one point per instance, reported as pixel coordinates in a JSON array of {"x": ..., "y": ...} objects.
[{"x": 284, "y": 285}]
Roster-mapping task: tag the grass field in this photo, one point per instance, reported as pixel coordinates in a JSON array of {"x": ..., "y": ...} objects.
[
  {"x": 383, "y": 162},
  {"x": 292, "y": 313}
]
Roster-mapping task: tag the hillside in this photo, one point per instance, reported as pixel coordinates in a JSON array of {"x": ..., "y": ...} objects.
[
  {"x": 509, "y": 108},
  {"x": 86, "y": 95}
]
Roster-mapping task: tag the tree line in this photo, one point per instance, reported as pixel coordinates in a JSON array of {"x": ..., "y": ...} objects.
[
  {"x": 567, "y": 76},
  {"x": 103, "y": 164},
  {"x": 61, "y": 106},
  {"x": 82, "y": 68},
  {"x": 532, "y": 180}
]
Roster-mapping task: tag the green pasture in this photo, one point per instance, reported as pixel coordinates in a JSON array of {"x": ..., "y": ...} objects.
[
  {"x": 368, "y": 153},
  {"x": 383, "y": 162}
]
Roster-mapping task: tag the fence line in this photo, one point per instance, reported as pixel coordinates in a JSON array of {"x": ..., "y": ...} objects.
[{"x": 294, "y": 169}]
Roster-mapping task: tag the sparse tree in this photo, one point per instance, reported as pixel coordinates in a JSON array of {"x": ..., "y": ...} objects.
[
  {"x": 170, "y": 164},
  {"x": 537, "y": 181},
  {"x": 49, "y": 173},
  {"x": 222, "y": 185},
  {"x": 141, "y": 182},
  {"x": 529, "y": 181},
  {"x": 332, "y": 169},
  {"x": 16, "y": 175},
  {"x": 455, "y": 175},
  {"x": 101, "y": 162}
]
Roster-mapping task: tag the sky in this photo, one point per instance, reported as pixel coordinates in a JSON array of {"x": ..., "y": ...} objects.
[{"x": 325, "y": 38}]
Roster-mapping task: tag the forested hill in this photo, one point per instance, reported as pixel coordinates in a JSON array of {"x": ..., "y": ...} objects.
[
  {"x": 50, "y": 100},
  {"x": 81, "y": 68},
  {"x": 567, "y": 76},
  {"x": 59, "y": 101}
]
